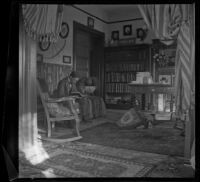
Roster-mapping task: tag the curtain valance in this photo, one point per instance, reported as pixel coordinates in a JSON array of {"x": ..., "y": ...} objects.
[{"x": 42, "y": 22}]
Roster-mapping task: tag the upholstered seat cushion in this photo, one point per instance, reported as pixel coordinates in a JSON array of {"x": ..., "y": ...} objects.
[{"x": 58, "y": 110}]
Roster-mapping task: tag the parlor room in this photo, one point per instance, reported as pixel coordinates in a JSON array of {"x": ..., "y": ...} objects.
[{"x": 107, "y": 90}]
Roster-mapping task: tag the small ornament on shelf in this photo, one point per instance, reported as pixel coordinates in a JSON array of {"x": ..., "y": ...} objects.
[{"x": 161, "y": 59}]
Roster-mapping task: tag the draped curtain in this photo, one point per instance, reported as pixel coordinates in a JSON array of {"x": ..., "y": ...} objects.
[
  {"x": 36, "y": 22},
  {"x": 27, "y": 90},
  {"x": 175, "y": 22},
  {"x": 42, "y": 22}
]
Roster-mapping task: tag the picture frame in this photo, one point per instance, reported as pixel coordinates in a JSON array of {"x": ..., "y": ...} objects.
[
  {"x": 40, "y": 58},
  {"x": 141, "y": 34},
  {"x": 64, "y": 30},
  {"x": 67, "y": 59},
  {"x": 115, "y": 35},
  {"x": 127, "y": 30},
  {"x": 90, "y": 22},
  {"x": 165, "y": 79}
]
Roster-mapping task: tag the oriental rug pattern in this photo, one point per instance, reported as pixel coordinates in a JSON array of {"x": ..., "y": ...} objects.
[{"x": 89, "y": 160}]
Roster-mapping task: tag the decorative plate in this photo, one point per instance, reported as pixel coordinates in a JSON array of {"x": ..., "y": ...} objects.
[
  {"x": 64, "y": 30},
  {"x": 44, "y": 45}
]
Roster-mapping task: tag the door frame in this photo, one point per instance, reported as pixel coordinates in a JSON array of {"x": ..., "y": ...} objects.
[{"x": 77, "y": 27}]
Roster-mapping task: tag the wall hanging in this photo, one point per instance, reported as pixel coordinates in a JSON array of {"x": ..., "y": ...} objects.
[
  {"x": 51, "y": 50},
  {"x": 64, "y": 30},
  {"x": 141, "y": 33},
  {"x": 67, "y": 59},
  {"x": 127, "y": 30},
  {"x": 44, "y": 45},
  {"x": 115, "y": 35}
]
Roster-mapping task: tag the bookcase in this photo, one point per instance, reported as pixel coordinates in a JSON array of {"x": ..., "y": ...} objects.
[{"x": 121, "y": 65}]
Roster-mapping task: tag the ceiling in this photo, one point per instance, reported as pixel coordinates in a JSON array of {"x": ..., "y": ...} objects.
[
  {"x": 114, "y": 8},
  {"x": 113, "y": 12}
]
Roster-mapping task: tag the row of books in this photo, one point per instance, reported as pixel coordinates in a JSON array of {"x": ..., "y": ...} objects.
[
  {"x": 117, "y": 88},
  {"x": 120, "y": 77},
  {"x": 125, "y": 67}
]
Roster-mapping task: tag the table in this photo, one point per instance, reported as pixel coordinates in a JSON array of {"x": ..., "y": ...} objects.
[{"x": 150, "y": 90}]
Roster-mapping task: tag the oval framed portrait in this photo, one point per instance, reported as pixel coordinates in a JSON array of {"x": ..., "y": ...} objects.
[
  {"x": 44, "y": 45},
  {"x": 141, "y": 33},
  {"x": 64, "y": 30}
]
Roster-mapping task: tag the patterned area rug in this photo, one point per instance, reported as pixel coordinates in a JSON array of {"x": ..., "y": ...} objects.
[
  {"x": 88, "y": 160},
  {"x": 161, "y": 139}
]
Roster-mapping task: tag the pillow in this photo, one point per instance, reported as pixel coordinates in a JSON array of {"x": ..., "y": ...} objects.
[
  {"x": 130, "y": 118},
  {"x": 57, "y": 110}
]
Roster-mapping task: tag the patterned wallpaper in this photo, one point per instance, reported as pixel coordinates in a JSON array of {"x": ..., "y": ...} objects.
[{"x": 52, "y": 73}]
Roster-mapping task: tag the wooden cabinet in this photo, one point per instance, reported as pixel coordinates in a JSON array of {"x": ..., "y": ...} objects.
[{"x": 121, "y": 65}]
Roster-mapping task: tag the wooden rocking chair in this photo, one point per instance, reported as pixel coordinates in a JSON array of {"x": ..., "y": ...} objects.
[{"x": 43, "y": 93}]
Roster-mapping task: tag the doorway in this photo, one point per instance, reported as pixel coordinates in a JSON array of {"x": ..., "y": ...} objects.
[{"x": 88, "y": 53}]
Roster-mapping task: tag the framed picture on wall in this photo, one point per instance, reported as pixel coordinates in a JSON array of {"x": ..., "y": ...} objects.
[
  {"x": 141, "y": 34},
  {"x": 115, "y": 35},
  {"x": 40, "y": 58},
  {"x": 90, "y": 22},
  {"x": 67, "y": 59},
  {"x": 64, "y": 30},
  {"x": 127, "y": 30}
]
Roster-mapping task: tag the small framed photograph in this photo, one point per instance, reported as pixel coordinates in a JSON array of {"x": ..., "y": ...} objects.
[
  {"x": 127, "y": 30},
  {"x": 165, "y": 79},
  {"x": 115, "y": 35},
  {"x": 90, "y": 22},
  {"x": 67, "y": 59},
  {"x": 40, "y": 58},
  {"x": 141, "y": 34}
]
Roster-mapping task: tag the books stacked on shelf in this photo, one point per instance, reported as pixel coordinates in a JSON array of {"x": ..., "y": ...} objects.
[
  {"x": 117, "y": 88},
  {"x": 125, "y": 67},
  {"x": 120, "y": 77}
]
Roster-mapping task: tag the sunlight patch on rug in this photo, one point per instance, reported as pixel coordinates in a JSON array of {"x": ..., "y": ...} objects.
[{"x": 69, "y": 160}]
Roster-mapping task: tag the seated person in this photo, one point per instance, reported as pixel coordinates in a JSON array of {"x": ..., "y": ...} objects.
[
  {"x": 91, "y": 106},
  {"x": 63, "y": 90}
]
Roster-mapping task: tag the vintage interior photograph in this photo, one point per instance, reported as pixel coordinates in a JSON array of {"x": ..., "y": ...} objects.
[{"x": 90, "y": 107}]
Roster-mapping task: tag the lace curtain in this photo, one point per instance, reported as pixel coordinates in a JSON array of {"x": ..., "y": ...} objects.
[
  {"x": 176, "y": 22},
  {"x": 42, "y": 22}
]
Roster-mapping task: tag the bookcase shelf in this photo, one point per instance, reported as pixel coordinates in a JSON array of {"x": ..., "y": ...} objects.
[{"x": 121, "y": 66}]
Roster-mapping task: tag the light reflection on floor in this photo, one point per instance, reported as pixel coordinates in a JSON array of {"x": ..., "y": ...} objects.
[
  {"x": 36, "y": 154},
  {"x": 49, "y": 173}
]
